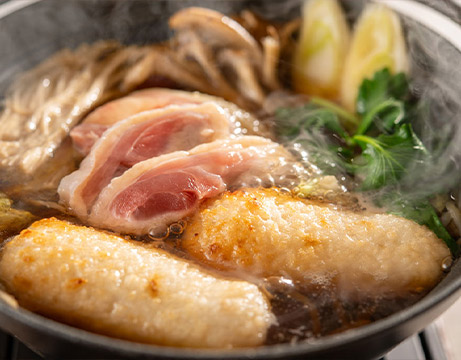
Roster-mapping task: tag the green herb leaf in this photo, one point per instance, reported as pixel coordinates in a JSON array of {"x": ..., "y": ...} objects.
[
  {"x": 289, "y": 121},
  {"x": 309, "y": 125},
  {"x": 384, "y": 159},
  {"x": 381, "y": 102},
  {"x": 327, "y": 158},
  {"x": 384, "y": 117},
  {"x": 347, "y": 119},
  {"x": 380, "y": 88}
]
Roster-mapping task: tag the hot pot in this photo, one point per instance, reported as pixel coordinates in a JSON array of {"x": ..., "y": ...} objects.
[{"x": 31, "y": 30}]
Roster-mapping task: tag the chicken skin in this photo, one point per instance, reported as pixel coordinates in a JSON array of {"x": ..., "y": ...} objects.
[
  {"x": 93, "y": 126},
  {"x": 138, "y": 138},
  {"x": 159, "y": 191}
]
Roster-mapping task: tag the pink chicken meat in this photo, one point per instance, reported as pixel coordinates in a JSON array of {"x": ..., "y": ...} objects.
[
  {"x": 137, "y": 138},
  {"x": 97, "y": 122},
  {"x": 159, "y": 191}
]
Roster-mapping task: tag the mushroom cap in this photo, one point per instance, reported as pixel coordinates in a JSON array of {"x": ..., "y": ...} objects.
[{"x": 216, "y": 29}]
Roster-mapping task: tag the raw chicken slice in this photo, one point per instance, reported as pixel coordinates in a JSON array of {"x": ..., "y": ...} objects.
[
  {"x": 137, "y": 138},
  {"x": 268, "y": 233},
  {"x": 86, "y": 134},
  {"x": 156, "y": 192},
  {"x": 126, "y": 289}
]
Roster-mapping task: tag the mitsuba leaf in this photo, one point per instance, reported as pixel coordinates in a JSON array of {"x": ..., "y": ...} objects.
[
  {"x": 318, "y": 131},
  {"x": 326, "y": 157},
  {"x": 380, "y": 88},
  {"x": 384, "y": 118},
  {"x": 289, "y": 121},
  {"x": 381, "y": 102},
  {"x": 385, "y": 159}
]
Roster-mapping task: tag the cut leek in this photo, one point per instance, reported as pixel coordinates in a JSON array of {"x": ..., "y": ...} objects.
[
  {"x": 377, "y": 43},
  {"x": 323, "y": 44}
]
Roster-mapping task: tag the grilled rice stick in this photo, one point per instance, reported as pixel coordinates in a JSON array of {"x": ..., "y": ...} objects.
[
  {"x": 104, "y": 283},
  {"x": 268, "y": 233}
]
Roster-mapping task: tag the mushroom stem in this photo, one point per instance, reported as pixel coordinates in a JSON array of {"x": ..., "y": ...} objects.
[
  {"x": 271, "y": 55},
  {"x": 245, "y": 75}
]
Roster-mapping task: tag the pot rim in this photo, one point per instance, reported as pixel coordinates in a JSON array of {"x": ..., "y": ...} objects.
[{"x": 423, "y": 14}]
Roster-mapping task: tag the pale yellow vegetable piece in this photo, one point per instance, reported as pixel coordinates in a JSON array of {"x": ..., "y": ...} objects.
[
  {"x": 377, "y": 43},
  {"x": 324, "y": 41}
]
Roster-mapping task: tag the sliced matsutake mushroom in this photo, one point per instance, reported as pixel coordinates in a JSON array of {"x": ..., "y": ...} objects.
[
  {"x": 164, "y": 62},
  {"x": 288, "y": 35},
  {"x": 170, "y": 63},
  {"x": 241, "y": 64},
  {"x": 245, "y": 78},
  {"x": 271, "y": 56},
  {"x": 189, "y": 45},
  {"x": 269, "y": 36},
  {"x": 217, "y": 30}
]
